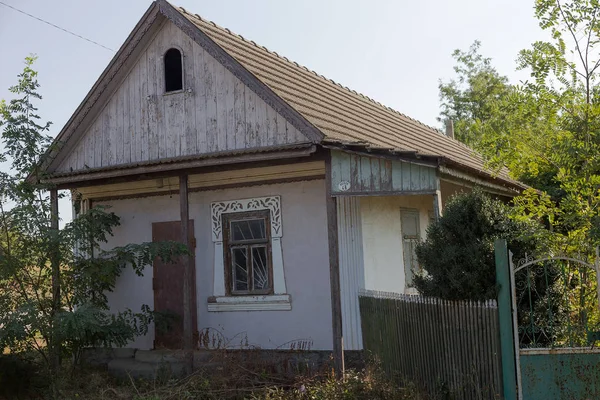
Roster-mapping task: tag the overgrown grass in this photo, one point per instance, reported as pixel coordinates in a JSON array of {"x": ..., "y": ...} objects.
[{"x": 28, "y": 380}]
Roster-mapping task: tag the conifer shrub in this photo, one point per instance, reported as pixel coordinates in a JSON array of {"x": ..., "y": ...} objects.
[{"x": 457, "y": 258}]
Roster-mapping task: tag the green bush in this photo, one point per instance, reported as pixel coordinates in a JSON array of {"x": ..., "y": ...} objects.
[{"x": 457, "y": 258}]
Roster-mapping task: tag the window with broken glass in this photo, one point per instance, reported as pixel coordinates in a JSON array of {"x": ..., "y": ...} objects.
[{"x": 248, "y": 253}]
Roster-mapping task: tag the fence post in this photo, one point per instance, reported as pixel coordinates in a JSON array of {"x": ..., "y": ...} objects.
[{"x": 505, "y": 321}]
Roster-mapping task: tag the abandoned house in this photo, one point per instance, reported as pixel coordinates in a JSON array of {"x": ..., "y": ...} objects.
[{"x": 299, "y": 192}]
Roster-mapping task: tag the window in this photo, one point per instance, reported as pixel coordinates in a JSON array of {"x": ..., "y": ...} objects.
[
  {"x": 411, "y": 236},
  {"x": 247, "y": 253},
  {"x": 248, "y": 257},
  {"x": 173, "y": 71}
]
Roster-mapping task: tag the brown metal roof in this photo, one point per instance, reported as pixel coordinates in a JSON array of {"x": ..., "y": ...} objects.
[{"x": 341, "y": 114}]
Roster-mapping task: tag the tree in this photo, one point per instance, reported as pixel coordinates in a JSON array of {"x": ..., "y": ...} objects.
[
  {"x": 489, "y": 113},
  {"x": 470, "y": 99},
  {"x": 57, "y": 315},
  {"x": 457, "y": 257},
  {"x": 546, "y": 130}
]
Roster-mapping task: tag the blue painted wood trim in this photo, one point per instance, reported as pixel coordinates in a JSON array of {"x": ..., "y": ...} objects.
[{"x": 359, "y": 174}]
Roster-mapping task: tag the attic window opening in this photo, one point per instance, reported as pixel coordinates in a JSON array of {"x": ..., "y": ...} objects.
[{"x": 173, "y": 71}]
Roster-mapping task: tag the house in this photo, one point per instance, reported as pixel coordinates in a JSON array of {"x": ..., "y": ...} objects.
[{"x": 299, "y": 192}]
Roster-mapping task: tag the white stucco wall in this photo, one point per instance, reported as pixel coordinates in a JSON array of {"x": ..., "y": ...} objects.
[
  {"x": 382, "y": 238},
  {"x": 305, "y": 254}
]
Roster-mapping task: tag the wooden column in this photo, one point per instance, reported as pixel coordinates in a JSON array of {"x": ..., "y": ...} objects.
[
  {"x": 437, "y": 198},
  {"x": 334, "y": 273},
  {"x": 187, "y": 275},
  {"x": 55, "y": 266},
  {"x": 437, "y": 204}
]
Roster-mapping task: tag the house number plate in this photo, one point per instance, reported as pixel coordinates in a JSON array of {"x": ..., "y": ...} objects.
[{"x": 344, "y": 186}]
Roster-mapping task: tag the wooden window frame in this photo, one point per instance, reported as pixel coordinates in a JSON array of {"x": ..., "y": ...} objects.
[
  {"x": 229, "y": 244},
  {"x": 416, "y": 238}
]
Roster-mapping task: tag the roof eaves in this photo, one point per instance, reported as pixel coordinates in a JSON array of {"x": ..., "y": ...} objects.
[
  {"x": 386, "y": 152},
  {"x": 487, "y": 175}
]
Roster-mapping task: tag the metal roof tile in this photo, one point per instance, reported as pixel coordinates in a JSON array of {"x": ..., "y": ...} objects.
[{"x": 339, "y": 112}]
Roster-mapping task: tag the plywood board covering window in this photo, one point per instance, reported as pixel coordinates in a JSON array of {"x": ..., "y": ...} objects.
[
  {"x": 248, "y": 267},
  {"x": 411, "y": 236},
  {"x": 248, "y": 253}
]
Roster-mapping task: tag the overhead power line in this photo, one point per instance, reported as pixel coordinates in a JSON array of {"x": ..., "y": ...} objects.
[{"x": 56, "y": 26}]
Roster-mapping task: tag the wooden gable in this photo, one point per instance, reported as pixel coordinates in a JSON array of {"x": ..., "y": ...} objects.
[{"x": 216, "y": 112}]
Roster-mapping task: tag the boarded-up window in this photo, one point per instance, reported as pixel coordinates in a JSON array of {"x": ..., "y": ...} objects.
[
  {"x": 247, "y": 247},
  {"x": 411, "y": 236},
  {"x": 173, "y": 71}
]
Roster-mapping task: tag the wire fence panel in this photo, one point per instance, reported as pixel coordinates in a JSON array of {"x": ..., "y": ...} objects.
[{"x": 445, "y": 347}]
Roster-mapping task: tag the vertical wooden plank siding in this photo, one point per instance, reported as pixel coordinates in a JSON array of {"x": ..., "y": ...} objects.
[
  {"x": 89, "y": 146},
  {"x": 436, "y": 344},
  {"x": 105, "y": 138},
  {"x": 152, "y": 101},
  {"x": 214, "y": 112},
  {"x": 229, "y": 108},
  {"x": 117, "y": 129},
  {"x": 363, "y": 175},
  {"x": 386, "y": 175},
  {"x": 134, "y": 126},
  {"x": 161, "y": 97},
  {"x": 221, "y": 106},
  {"x": 112, "y": 131},
  {"x": 97, "y": 143},
  {"x": 210, "y": 91},
  {"x": 261, "y": 119},
  {"x": 281, "y": 129},
  {"x": 375, "y": 175},
  {"x": 352, "y": 272},
  {"x": 397, "y": 176},
  {"x": 201, "y": 124},
  {"x": 250, "y": 105},
  {"x": 141, "y": 131},
  {"x": 189, "y": 145},
  {"x": 239, "y": 114},
  {"x": 269, "y": 128}
]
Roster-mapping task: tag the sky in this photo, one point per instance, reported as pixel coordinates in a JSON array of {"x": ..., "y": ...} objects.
[{"x": 395, "y": 52}]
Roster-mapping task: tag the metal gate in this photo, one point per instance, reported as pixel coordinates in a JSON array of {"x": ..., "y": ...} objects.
[{"x": 556, "y": 324}]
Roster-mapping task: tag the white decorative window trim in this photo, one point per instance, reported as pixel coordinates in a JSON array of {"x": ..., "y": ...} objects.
[
  {"x": 250, "y": 303},
  {"x": 271, "y": 203}
]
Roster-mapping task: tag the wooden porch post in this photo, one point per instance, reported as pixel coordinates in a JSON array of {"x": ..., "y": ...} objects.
[
  {"x": 55, "y": 266},
  {"x": 334, "y": 274},
  {"x": 437, "y": 199},
  {"x": 187, "y": 275}
]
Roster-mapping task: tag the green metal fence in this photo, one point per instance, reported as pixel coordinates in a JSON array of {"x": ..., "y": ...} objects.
[
  {"x": 556, "y": 320},
  {"x": 442, "y": 346}
]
